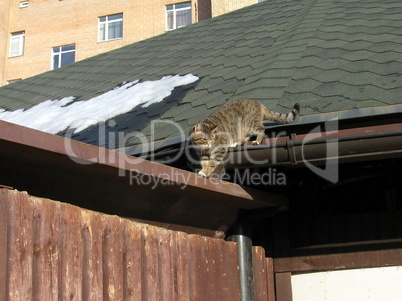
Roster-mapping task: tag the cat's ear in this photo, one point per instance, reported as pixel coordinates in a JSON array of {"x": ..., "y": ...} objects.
[
  {"x": 196, "y": 128},
  {"x": 212, "y": 126}
]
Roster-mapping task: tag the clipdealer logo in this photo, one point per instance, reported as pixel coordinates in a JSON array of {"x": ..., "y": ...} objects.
[{"x": 272, "y": 177}]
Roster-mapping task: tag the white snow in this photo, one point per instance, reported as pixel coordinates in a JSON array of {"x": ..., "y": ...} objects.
[{"x": 54, "y": 116}]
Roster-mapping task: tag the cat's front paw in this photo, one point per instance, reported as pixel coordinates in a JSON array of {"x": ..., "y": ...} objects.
[{"x": 203, "y": 174}]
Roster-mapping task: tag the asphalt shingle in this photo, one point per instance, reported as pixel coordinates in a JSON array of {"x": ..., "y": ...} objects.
[{"x": 327, "y": 55}]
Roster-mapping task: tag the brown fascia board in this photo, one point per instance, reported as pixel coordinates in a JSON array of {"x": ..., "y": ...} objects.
[{"x": 58, "y": 168}]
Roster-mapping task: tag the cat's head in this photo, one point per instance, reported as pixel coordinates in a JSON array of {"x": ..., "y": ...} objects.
[{"x": 203, "y": 135}]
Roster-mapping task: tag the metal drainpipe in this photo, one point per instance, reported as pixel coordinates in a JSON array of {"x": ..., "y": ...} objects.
[{"x": 241, "y": 234}]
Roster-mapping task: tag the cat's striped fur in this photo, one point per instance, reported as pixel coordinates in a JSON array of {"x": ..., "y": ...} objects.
[{"x": 232, "y": 125}]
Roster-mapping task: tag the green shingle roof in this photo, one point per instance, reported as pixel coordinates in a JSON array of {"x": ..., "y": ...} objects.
[{"x": 327, "y": 55}]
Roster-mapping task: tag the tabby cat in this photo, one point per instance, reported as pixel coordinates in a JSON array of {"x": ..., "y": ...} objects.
[{"x": 232, "y": 125}]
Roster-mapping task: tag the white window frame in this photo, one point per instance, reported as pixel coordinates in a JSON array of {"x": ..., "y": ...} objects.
[
  {"x": 106, "y": 28},
  {"x": 175, "y": 10},
  {"x": 58, "y": 51},
  {"x": 18, "y": 37},
  {"x": 11, "y": 81},
  {"x": 24, "y": 4}
]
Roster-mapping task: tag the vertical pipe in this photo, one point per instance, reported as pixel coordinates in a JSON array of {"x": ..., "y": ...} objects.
[{"x": 241, "y": 234}]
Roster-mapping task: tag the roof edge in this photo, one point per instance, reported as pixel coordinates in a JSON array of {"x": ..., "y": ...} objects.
[
  {"x": 59, "y": 152},
  {"x": 346, "y": 115},
  {"x": 349, "y": 114}
]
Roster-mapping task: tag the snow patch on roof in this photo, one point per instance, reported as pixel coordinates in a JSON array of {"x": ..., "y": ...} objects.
[{"x": 54, "y": 116}]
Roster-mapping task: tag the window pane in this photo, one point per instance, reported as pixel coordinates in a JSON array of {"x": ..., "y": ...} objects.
[
  {"x": 63, "y": 56},
  {"x": 56, "y": 50},
  {"x": 17, "y": 44},
  {"x": 102, "y": 33},
  {"x": 67, "y": 58},
  {"x": 115, "y": 17},
  {"x": 102, "y": 19},
  {"x": 15, "y": 47},
  {"x": 56, "y": 61},
  {"x": 178, "y": 15},
  {"x": 68, "y": 48},
  {"x": 170, "y": 21},
  {"x": 115, "y": 30},
  {"x": 183, "y": 5},
  {"x": 183, "y": 18}
]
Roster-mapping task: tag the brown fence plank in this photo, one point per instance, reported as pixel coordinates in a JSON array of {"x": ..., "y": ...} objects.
[
  {"x": 204, "y": 271},
  {"x": 20, "y": 247},
  {"x": 112, "y": 259},
  {"x": 222, "y": 277},
  {"x": 182, "y": 266},
  {"x": 283, "y": 287},
  {"x": 4, "y": 204},
  {"x": 132, "y": 257},
  {"x": 92, "y": 266},
  {"x": 71, "y": 250},
  {"x": 46, "y": 217},
  {"x": 214, "y": 276},
  {"x": 233, "y": 270},
  {"x": 260, "y": 275},
  {"x": 270, "y": 279},
  {"x": 150, "y": 265},
  {"x": 209, "y": 271},
  {"x": 196, "y": 277},
  {"x": 166, "y": 265}
]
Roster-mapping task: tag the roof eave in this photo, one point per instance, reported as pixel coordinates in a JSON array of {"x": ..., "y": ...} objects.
[{"x": 99, "y": 179}]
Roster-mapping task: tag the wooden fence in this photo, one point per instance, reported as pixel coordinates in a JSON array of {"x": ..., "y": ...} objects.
[{"x": 55, "y": 251}]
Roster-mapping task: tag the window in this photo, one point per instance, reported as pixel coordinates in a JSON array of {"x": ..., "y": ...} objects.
[
  {"x": 178, "y": 15},
  {"x": 63, "y": 56},
  {"x": 13, "y": 81},
  {"x": 110, "y": 27},
  {"x": 17, "y": 44},
  {"x": 24, "y": 4}
]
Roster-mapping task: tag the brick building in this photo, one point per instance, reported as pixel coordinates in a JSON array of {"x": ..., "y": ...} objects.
[{"x": 37, "y": 36}]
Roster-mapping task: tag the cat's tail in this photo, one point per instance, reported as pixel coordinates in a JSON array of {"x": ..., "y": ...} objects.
[{"x": 283, "y": 118}]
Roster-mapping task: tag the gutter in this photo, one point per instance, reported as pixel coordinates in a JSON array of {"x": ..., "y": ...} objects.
[
  {"x": 348, "y": 145},
  {"x": 310, "y": 139},
  {"x": 353, "y": 141},
  {"x": 362, "y": 115}
]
